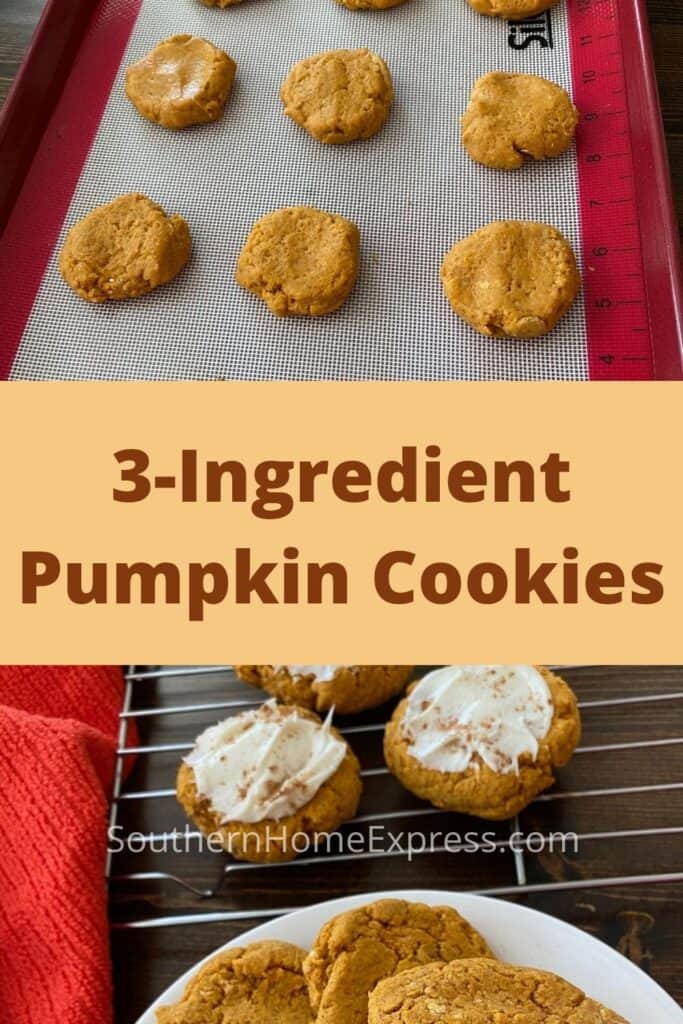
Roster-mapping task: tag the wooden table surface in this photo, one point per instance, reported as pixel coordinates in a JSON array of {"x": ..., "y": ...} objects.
[
  {"x": 18, "y": 19},
  {"x": 642, "y": 921}
]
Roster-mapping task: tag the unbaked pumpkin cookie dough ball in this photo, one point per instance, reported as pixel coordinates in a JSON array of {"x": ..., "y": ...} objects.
[
  {"x": 184, "y": 80},
  {"x": 123, "y": 249},
  {"x": 348, "y": 689},
  {"x": 511, "y": 279},
  {"x": 511, "y": 117},
  {"x": 339, "y": 96},
  {"x": 269, "y": 783},
  {"x": 301, "y": 261},
  {"x": 515, "y": 10},
  {"x": 482, "y": 739}
]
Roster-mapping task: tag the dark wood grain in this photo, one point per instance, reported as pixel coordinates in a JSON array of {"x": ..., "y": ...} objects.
[
  {"x": 18, "y": 19},
  {"x": 642, "y": 921}
]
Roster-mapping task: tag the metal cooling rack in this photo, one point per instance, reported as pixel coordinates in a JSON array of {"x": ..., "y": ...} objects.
[{"x": 138, "y": 707}]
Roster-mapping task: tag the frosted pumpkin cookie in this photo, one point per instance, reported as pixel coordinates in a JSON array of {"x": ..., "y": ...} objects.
[
  {"x": 339, "y": 96},
  {"x": 510, "y": 117},
  {"x": 360, "y": 947},
  {"x": 269, "y": 783},
  {"x": 512, "y": 279},
  {"x": 482, "y": 739},
  {"x": 300, "y": 261},
  {"x": 515, "y": 10},
  {"x": 182, "y": 81},
  {"x": 260, "y": 984},
  {"x": 123, "y": 249},
  {"x": 483, "y": 992},
  {"x": 346, "y": 688}
]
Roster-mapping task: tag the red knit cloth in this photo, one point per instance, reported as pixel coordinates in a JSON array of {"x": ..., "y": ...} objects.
[{"x": 58, "y": 730}]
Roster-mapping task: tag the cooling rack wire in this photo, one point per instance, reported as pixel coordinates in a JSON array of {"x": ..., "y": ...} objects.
[{"x": 144, "y": 687}]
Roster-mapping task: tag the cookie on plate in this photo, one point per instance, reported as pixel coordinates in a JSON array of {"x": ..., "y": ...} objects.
[
  {"x": 184, "y": 80},
  {"x": 511, "y": 117},
  {"x": 300, "y": 261},
  {"x": 260, "y": 984},
  {"x": 339, "y": 96},
  {"x": 269, "y": 783},
  {"x": 514, "y": 10},
  {"x": 360, "y": 947},
  {"x": 124, "y": 249},
  {"x": 483, "y": 992},
  {"x": 482, "y": 739},
  {"x": 346, "y": 688},
  {"x": 512, "y": 279}
]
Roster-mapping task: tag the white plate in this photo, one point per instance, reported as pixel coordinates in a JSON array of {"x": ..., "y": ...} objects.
[{"x": 515, "y": 934}]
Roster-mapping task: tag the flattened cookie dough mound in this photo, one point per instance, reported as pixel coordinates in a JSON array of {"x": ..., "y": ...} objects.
[
  {"x": 300, "y": 261},
  {"x": 511, "y": 117},
  {"x": 360, "y": 947},
  {"x": 370, "y": 5},
  {"x": 347, "y": 688},
  {"x": 515, "y": 10},
  {"x": 182, "y": 81},
  {"x": 339, "y": 96},
  {"x": 511, "y": 279},
  {"x": 123, "y": 249},
  {"x": 482, "y": 739},
  {"x": 260, "y": 984},
  {"x": 270, "y": 783},
  {"x": 483, "y": 992}
]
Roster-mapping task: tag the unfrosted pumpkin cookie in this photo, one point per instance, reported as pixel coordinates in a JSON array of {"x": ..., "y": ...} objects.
[
  {"x": 511, "y": 279},
  {"x": 339, "y": 96},
  {"x": 510, "y": 117},
  {"x": 479, "y": 991},
  {"x": 300, "y": 261},
  {"x": 258, "y": 984},
  {"x": 184, "y": 80},
  {"x": 124, "y": 249},
  {"x": 482, "y": 739},
  {"x": 346, "y": 688},
  {"x": 220, "y": 3},
  {"x": 515, "y": 10},
  {"x": 269, "y": 783},
  {"x": 360, "y": 947}
]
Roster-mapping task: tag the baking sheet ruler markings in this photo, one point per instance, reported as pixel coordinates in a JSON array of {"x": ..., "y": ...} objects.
[{"x": 619, "y": 340}]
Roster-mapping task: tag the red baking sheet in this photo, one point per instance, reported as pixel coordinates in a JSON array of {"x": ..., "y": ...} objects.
[{"x": 631, "y": 255}]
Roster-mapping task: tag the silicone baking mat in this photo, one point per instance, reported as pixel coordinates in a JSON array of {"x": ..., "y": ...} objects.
[{"x": 411, "y": 189}]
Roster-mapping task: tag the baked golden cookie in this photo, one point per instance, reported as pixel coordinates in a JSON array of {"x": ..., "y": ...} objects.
[
  {"x": 482, "y": 739},
  {"x": 220, "y": 3},
  {"x": 370, "y": 5},
  {"x": 300, "y": 261},
  {"x": 182, "y": 81},
  {"x": 511, "y": 279},
  {"x": 269, "y": 784},
  {"x": 259, "y": 984},
  {"x": 123, "y": 249},
  {"x": 483, "y": 992},
  {"x": 510, "y": 117},
  {"x": 346, "y": 688},
  {"x": 515, "y": 10},
  {"x": 360, "y": 947},
  {"x": 339, "y": 96}
]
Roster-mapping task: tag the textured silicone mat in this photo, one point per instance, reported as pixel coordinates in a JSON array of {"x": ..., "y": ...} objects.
[{"x": 411, "y": 189}]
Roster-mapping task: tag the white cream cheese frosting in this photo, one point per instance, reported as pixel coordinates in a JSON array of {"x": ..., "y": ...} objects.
[
  {"x": 264, "y": 764},
  {"x": 498, "y": 712},
  {"x": 321, "y": 673}
]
